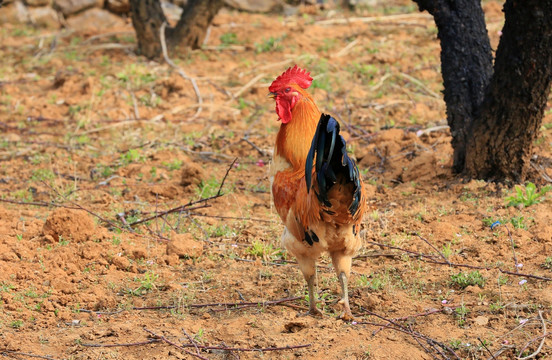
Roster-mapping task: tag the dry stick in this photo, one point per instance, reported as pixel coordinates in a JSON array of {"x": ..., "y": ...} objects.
[
  {"x": 486, "y": 348},
  {"x": 179, "y": 70},
  {"x": 412, "y": 333},
  {"x": 231, "y": 217},
  {"x": 150, "y": 341},
  {"x": 82, "y": 207},
  {"x": 245, "y": 304},
  {"x": 543, "y": 336},
  {"x": 9, "y": 352},
  {"x": 431, "y": 260},
  {"x": 176, "y": 209},
  {"x": 225, "y": 348},
  {"x": 186, "y": 206},
  {"x": 232, "y": 306},
  {"x": 430, "y": 312},
  {"x": 248, "y": 85},
  {"x": 245, "y": 138},
  {"x": 433, "y": 247},
  {"x": 38, "y": 203},
  {"x": 192, "y": 341},
  {"x": 164, "y": 339}
]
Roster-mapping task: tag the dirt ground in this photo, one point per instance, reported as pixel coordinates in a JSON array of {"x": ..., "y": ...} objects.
[{"x": 96, "y": 138}]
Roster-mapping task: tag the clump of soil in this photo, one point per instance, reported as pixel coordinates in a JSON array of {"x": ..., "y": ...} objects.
[{"x": 69, "y": 224}]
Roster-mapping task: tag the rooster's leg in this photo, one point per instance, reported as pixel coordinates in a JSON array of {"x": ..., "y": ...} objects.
[
  {"x": 342, "y": 265},
  {"x": 313, "y": 310},
  {"x": 308, "y": 268}
]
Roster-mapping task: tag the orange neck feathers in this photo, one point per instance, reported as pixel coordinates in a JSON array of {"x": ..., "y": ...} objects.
[{"x": 294, "y": 138}]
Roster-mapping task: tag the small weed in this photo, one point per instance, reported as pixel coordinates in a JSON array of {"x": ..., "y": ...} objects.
[
  {"x": 547, "y": 263},
  {"x": 222, "y": 231},
  {"x": 270, "y": 44},
  {"x": 260, "y": 249},
  {"x": 496, "y": 307},
  {"x": 23, "y": 195},
  {"x": 447, "y": 250},
  {"x": 229, "y": 38},
  {"x": 461, "y": 313},
  {"x": 455, "y": 344},
  {"x": 528, "y": 196},
  {"x": 463, "y": 280},
  {"x": 105, "y": 170},
  {"x": 131, "y": 156},
  {"x": 16, "y": 324},
  {"x": 518, "y": 222},
  {"x": 42, "y": 175},
  {"x": 147, "y": 283},
  {"x": 208, "y": 188},
  {"x": 173, "y": 165}
]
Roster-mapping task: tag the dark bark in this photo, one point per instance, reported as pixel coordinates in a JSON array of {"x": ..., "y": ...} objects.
[
  {"x": 147, "y": 18},
  {"x": 511, "y": 115},
  {"x": 466, "y": 65},
  {"x": 494, "y": 117}
]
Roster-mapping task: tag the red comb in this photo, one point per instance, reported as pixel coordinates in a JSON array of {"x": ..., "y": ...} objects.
[{"x": 292, "y": 75}]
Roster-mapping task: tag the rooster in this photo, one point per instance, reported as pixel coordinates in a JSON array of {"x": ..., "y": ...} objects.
[{"x": 316, "y": 186}]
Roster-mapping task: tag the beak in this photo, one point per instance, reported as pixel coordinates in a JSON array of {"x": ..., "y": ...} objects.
[{"x": 272, "y": 94}]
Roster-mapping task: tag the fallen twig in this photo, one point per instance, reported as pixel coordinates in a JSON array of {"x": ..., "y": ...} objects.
[
  {"x": 10, "y": 352},
  {"x": 164, "y": 339},
  {"x": 401, "y": 328},
  {"x": 187, "y": 207},
  {"x": 241, "y": 305},
  {"x": 431, "y": 260},
  {"x": 433, "y": 247},
  {"x": 543, "y": 337},
  {"x": 141, "y": 343}
]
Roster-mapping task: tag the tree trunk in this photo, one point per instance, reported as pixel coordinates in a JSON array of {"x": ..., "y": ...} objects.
[
  {"x": 147, "y": 18},
  {"x": 466, "y": 65},
  {"x": 494, "y": 117},
  {"x": 511, "y": 115},
  {"x": 194, "y": 22}
]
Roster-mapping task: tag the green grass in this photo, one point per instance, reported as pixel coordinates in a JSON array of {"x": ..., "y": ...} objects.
[
  {"x": 229, "y": 38},
  {"x": 527, "y": 196},
  {"x": 462, "y": 280},
  {"x": 270, "y": 44}
]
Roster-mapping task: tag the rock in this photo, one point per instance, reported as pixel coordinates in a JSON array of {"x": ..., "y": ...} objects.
[
  {"x": 118, "y": 6},
  {"x": 481, "y": 320},
  {"x": 192, "y": 174},
  {"x": 70, "y": 7},
  {"x": 44, "y": 17},
  {"x": 184, "y": 246},
  {"x": 121, "y": 263},
  {"x": 94, "y": 19},
  {"x": 69, "y": 224},
  {"x": 139, "y": 253},
  {"x": 15, "y": 13},
  {"x": 172, "y": 260},
  {"x": 255, "y": 5}
]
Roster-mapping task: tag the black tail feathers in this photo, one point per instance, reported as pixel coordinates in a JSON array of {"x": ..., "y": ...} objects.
[{"x": 328, "y": 153}]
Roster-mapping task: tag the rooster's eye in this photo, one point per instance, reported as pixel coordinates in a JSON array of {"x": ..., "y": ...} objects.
[{"x": 288, "y": 90}]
